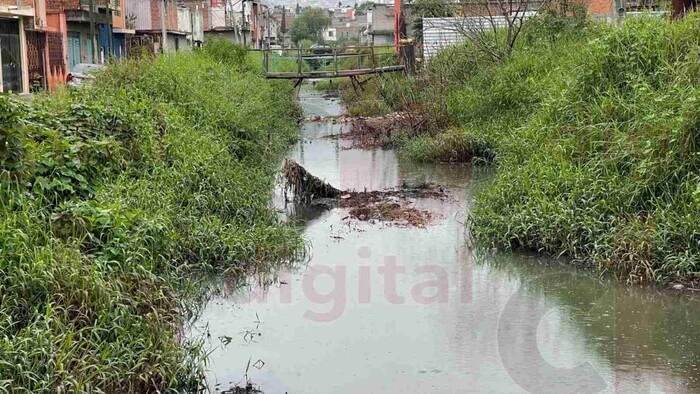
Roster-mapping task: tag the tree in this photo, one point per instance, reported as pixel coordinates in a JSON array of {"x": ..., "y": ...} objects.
[
  {"x": 363, "y": 7},
  {"x": 310, "y": 25},
  {"x": 283, "y": 28},
  {"x": 493, "y": 26},
  {"x": 429, "y": 9}
]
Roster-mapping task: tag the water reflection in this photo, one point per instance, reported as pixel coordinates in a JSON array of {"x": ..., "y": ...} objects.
[{"x": 383, "y": 309}]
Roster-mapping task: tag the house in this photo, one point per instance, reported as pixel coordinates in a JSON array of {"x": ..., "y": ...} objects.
[
  {"x": 68, "y": 32},
  {"x": 87, "y": 27},
  {"x": 284, "y": 18},
  {"x": 346, "y": 25},
  {"x": 232, "y": 24},
  {"x": 380, "y": 23},
  {"x": 243, "y": 22},
  {"x": 15, "y": 17},
  {"x": 120, "y": 32},
  {"x": 41, "y": 40},
  {"x": 154, "y": 19},
  {"x": 190, "y": 20}
]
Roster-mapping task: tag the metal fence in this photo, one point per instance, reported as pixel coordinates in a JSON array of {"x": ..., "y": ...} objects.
[{"x": 330, "y": 62}]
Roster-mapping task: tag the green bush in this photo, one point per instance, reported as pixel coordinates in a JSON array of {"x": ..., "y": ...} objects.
[
  {"x": 114, "y": 198},
  {"x": 606, "y": 169},
  {"x": 594, "y": 129},
  {"x": 449, "y": 146}
]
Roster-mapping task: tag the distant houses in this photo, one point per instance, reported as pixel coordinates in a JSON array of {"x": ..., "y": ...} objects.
[
  {"x": 41, "y": 41},
  {"x": 346, "y": 25}
]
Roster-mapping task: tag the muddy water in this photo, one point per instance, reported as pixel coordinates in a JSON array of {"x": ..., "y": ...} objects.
[{"x": 381, "y": 308}]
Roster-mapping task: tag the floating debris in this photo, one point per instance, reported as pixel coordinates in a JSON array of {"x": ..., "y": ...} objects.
[
  {"x": 247, "y": 389},
  {"x": 384, "y": 206},
  {"x": 304, "y": 186},
  {"x": 332, "y": 119},
  {"x": 391, "y": 205},
  {"x": 376, "y": 132}
]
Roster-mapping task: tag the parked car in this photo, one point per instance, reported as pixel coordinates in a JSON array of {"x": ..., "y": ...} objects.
[
  {"x": 320, "y": 49},
  {"x": 82, "y": 72}
]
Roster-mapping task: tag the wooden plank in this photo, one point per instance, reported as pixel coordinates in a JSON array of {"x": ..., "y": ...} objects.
[{"x": 327, "y": 74}]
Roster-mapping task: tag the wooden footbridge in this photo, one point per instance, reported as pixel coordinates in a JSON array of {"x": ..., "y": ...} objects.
[{"x": 329, "y": 62}]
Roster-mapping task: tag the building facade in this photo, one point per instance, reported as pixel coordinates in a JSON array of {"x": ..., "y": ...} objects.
[{"x": 15, "y": 18}]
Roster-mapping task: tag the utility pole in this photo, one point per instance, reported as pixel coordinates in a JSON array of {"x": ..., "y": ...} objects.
[
  {"x": 93, "y": 41},
  {"x": 110, "y": 28},
  {"x": 397, "y": 23},
  {"x": 163, "y": 28},
  {"x": 192, "y": 15},
  {"x": 244, "y": 22},
  {"x": 283, "y": 28},
  {"x": 268, "y": 28}
]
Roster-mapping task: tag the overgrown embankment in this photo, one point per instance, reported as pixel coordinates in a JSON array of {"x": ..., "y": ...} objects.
[
  {"x": 595, "y": 130},
  {"x": 113, "y": 198}
]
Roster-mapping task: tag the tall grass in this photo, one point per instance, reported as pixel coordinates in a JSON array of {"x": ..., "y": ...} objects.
[
  {"x": 607, "y": 169},
  {"x": 114, "y": 198},
  {"x": 594, "y": 129}
]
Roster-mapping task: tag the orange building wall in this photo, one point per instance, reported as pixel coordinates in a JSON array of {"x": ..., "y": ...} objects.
[
  {"x": 170, "y": 15},
  {"x": 600, "y": 7},
  {"x": 118, "y": 21},
  {"x": 57, "y": 75},
  {"x": 25, "y": 3}
]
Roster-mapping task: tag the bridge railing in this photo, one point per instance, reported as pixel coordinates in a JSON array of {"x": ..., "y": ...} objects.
[{"x": 325, "y": 62}]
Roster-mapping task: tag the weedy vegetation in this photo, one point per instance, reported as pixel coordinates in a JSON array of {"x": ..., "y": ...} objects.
[
  {"x": 595, "y": 132},
  {"x": 115, "y": 198}
]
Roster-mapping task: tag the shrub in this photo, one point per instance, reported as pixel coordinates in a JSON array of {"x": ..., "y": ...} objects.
[
  {"x": 606, "y": 170},
  {"x": 114, "y": 198},
  {"x": 594, "y": 129}
]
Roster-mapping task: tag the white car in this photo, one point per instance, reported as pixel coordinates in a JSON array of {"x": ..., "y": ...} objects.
[
  {"x": 82, "y": 72},
  {"x": 276, "y": 49}
]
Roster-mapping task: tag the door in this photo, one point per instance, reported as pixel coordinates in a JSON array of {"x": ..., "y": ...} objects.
[
  {"x": 90, "y": 58},
  {"x": 35, "y": 58},
  {"x": 73, "y": 50},
  {"x": 10, "y": 56}
]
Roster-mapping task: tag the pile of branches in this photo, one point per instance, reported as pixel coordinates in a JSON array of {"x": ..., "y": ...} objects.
[
  {"x": 392, "y": 205},
  {"x": 376, "y": 132},
  {"x": 304, "y": 186}
]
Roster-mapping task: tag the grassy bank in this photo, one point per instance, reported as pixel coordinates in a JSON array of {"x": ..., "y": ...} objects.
[
  {"x": 595, "y": 131},
  {"x": 114, "y": 198}
]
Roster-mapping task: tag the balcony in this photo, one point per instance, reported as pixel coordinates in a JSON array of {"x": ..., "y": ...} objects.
[
  {"x": 15, "y": 10},
  {"x": 99, "y": 5}
]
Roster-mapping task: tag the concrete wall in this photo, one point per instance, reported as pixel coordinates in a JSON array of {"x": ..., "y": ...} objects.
[
  {"x": 217, "y": 17},
  {"x": 382, "y": 18},
  {"x": 235, "y": 37},
  {"x": 177, "y": 43},
  {"x": 184, "y": 20},
  {"x": 198, "y": 25},
  {"x": 440, "y": 33},
  {"x": 330, "y": 34},
  {"x": 142, "y": 10}
]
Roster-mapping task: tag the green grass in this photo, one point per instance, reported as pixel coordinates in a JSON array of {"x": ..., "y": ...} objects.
[
  {"x": 606, "y": 168},
  {"x": 327, "y": 85},
  {"x": 114, "y": 199},
  {"x": 594, "y": 130}
]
